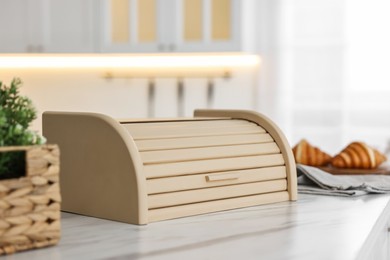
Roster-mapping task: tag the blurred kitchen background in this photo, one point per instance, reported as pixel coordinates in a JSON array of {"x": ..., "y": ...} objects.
[{"x": 318, "y": 68}]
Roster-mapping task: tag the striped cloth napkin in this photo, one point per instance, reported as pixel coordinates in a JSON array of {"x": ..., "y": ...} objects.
[{"x": 312, "y": 180}]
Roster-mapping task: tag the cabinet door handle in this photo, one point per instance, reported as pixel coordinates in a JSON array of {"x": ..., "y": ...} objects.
[
  {"x": 161, "y": 47},
  {"x": 30, "y": 48},
  {"x": 39, "y": 48},
  {"x": 222, "y": 177},
  {"x": 172, "y": 47}
]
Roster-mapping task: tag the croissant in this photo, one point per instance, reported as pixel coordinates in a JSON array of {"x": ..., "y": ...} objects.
[
  {"x": 307, "y": 154},
  {"x": 358, "y": 155}
]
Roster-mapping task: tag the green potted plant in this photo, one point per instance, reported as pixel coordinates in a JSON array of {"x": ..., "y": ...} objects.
[
  {"x": 29, "y": 176},
  {"x": 16, "y": 114}
]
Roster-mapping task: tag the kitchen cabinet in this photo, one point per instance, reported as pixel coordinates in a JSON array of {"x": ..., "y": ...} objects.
[
  {"x": 15, "y": 28},
  {"x": 147, "y": 26},
  {"x": 131, "y": 25},
  {"x": 47, "y": 26},
  {"x": 175, "y": 25}
]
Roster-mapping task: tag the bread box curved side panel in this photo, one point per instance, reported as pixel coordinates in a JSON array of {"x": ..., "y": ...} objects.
[{"x": 101, "y": 172}]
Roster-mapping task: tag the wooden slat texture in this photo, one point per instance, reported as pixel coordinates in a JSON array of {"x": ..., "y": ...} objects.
[
  {"x": 214, "y": 165},
  {"x": 218, "y": 205},
  {"x": 169, "y": 119},
  {"x": 159, "y": 133},
  {"x": 186, "y": 124},
  {"x": 198, "y": 181},
  {"x": 208, "y": 194},
  {"x": 180, "y": 155},
  {"x": 203, "y": 141}
]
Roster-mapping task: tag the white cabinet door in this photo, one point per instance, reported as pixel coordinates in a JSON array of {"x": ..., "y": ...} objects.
[
  {"x": 16, "y": 27},
  {"x": 131, "y": 25},
  {"x": 47, "y": 26},
  {"x": 206, "y": 25},
  {"x": 173, "y": 25},
  {"x": 68, "y": 26}
]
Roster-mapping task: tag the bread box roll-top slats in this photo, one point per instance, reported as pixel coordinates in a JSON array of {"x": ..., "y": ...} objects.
[{"x": 141, "y": 171}]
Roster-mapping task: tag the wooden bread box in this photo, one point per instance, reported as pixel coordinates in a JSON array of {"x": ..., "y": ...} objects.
[{"x": 142, "y": 171}]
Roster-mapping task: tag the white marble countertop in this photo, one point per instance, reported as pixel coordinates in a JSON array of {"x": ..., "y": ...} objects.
[{"x": 315, "y": 227}]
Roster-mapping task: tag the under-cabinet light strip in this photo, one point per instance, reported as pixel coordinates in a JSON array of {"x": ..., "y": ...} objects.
[{"x": 127, "y": 61}]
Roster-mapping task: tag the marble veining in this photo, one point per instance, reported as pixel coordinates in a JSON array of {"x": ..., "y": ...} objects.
[{"x": 315, "y": 227}]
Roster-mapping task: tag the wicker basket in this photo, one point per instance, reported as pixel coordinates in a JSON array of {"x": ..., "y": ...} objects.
[{"x": 30, "y": 205}]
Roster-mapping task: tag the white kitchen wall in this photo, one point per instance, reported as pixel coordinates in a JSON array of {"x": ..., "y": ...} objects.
[
  {"x": 315, "y": 42},
  {"x": 367, "y": 71},
  {"x": 326, "y": 70},
  {"x": 87, "y": 90}
]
